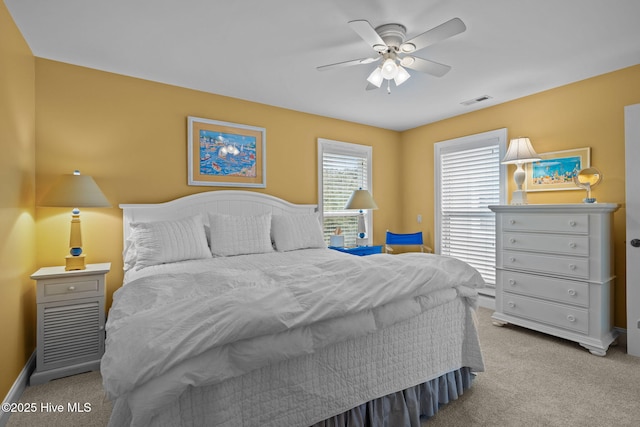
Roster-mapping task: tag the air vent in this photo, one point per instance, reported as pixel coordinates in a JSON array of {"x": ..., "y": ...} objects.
[{"x": 476, "y": 100}]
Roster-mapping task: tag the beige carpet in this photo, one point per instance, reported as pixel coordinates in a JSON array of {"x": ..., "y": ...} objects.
[{"x": 531, "y": 379}]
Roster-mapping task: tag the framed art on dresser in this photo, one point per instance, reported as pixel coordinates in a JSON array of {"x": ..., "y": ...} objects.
[
  {"x": 555, "y": 170},
  {"x": 226, "y": 154}
]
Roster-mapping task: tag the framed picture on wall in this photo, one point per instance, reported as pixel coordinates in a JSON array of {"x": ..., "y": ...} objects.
[
  {"x": 555, "y": 170},
  {"x": 226, "y": 154}
]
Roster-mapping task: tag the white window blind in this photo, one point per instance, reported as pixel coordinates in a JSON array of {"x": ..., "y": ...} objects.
[
  {"x": 470, "y": 178},
  {"x": 343, "y": 168}
]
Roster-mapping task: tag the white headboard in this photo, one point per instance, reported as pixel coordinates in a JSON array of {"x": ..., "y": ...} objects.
[{"x": 229, "y": 202}]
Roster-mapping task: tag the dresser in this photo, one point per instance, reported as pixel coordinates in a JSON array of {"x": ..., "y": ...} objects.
[
  {"x": 554, "y": 271},
  {"x": 70, "y": 336}
]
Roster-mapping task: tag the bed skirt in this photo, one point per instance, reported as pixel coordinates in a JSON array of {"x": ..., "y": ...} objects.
[{"x": 405, "y": 408}]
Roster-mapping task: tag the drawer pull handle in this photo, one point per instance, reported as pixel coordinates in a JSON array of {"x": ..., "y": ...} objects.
[
  {"x": 572, "y": 245},
  {"x": 512, "y": 221},
  {"x": 571, "y": 318},
  {"x": 512, "y": 282},
  {"x": 572, "y": 223},
  {"x": 572, "y": 266},
  {"x": 511, "y": 304},
  {"x": 512, "y": 240},
  {"x": 512, "y": 259},
  {"x": 72, "y": 288},
  {"x": 572, "y": 292}
]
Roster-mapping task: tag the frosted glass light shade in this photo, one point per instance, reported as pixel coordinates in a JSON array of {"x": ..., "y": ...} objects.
[{"x": 375, "y": 78}]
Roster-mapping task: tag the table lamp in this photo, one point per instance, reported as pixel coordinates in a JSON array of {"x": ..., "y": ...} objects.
[
  {"x": 520, "y": 152},
  {"x": 361, "y": 199},
  {"x": 75, "y": 191}
]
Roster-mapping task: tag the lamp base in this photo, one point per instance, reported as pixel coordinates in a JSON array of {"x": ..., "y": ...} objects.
[
  {"x": 519, "y": 197},
  {"x": 362, "y": 241},
  {"x": 75, "y": 263}
]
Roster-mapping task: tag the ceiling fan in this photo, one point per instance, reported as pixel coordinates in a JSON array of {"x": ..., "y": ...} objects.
[{"x": 389, "y": 42}]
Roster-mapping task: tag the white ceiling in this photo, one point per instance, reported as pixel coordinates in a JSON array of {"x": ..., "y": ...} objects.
[{"x": 267, "y": 51}]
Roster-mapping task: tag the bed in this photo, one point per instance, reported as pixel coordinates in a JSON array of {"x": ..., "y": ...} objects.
[{"x": 234, "y": 312}]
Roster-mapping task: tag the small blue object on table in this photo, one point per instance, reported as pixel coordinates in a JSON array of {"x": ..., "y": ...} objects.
[{"x": 359, "y": 250}]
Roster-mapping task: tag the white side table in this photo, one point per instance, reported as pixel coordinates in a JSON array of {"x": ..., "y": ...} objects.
[{"x": 70, "y": 321}]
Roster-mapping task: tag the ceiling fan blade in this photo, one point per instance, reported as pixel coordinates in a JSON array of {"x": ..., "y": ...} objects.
[
  {"x": 434, "y": 35},
  {"x": 425, "y": 66},
  {"x": 368, "y": 34},
  {"x": 347, "y": 63}
]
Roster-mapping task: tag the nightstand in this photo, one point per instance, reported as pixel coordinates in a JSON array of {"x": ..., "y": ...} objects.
[
  {"x": 70, "y": 321},
  {"x": 359, "y": 250}
]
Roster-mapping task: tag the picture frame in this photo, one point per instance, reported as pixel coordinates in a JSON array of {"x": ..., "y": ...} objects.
[
  {"x": 226, "y": 154},
  {"x": 555, "y": 170}
]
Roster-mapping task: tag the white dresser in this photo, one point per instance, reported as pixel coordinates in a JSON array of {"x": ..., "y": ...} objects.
[{"x": 554, "y": 271}]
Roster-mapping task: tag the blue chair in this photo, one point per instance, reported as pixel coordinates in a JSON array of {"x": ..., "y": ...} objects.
[{"x": 407, "y": 239}]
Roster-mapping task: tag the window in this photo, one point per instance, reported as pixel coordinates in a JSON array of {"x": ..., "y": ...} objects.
[
  {"x": 342, "y": 168},
  {"x": 468, "y": 178}
]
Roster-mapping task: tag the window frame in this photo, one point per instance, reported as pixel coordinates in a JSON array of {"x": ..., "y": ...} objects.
[{"x": 346, "y": 149}]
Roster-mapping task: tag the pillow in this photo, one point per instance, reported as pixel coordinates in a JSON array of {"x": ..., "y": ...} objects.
[
  {"x": 239, "y": 235},
  {"x": 291, "y": 232},
  {"x": 161, "y": 242}
]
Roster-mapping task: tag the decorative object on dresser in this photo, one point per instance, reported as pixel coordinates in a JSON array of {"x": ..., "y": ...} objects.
[
  {"x": 554, "y": 271},
  {"x": 75, "y": 191},
  {"x": 226, "y": 154},
  {"x": 361, "y": 199},
  {"x": 70, "y": 321},
  {"x": 519, "y": 152},
  {"x": 587, "y": 179}
]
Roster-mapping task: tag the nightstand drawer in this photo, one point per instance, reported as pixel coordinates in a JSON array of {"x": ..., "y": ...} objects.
[
  {"x": 552, "y": 223},
  {"x": 572, "y": 318},
  {"x": 65, "y": 289},
  {"x": 557, "y": 265},
  {"x": 559, "y": 290},
  {"x": 547, "y": 243}
]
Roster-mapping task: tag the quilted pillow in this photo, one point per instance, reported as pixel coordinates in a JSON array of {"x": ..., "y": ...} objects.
[
  {"x": 161, "y": 242},
  {"x": 291, "y": 232},
  {"x": 239, "y": 235}
]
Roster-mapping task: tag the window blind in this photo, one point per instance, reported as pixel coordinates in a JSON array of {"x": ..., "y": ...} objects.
[
  {"x": 470, "y": 181},
  {"x": 345, "y": 168}
]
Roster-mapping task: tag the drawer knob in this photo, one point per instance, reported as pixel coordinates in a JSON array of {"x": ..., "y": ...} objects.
[
  {"x": 572, "y": 223},
  {"x": 512, "y": 259},
  {"x": 572, "y": 245},
  {"x": 571, "y": 318},
  {"x": 572, "y": 266},
  {"x": 511, "y": 304},
  {"x": 72, "y": 288},
  {"x": 572, "y": 292},
  {"x": 512, "y": 221},
  {"x": 512, "y": 240},
  {"x": 512, "y": 282}
]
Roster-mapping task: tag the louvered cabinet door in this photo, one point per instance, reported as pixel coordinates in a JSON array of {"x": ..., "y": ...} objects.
[{"x": 70, "y": 321}]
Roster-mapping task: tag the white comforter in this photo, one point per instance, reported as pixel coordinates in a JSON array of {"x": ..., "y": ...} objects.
[{"x": 168, "y": 331}]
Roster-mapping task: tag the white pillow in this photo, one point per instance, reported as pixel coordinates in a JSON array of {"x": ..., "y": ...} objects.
[
  {"x": 291, "y": 232},
  {"x": 161, "y": 242},
  {"x": 239, "y": 235}
]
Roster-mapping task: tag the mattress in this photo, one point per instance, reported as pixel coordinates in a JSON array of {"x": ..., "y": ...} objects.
[{"x": 356, "y": 329}]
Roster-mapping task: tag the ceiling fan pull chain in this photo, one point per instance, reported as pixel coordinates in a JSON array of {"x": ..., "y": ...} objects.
[{"x": 389, "y": 87}]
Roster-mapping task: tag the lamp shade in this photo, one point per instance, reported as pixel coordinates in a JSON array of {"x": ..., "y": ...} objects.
[
  {"x": 520, "y": 151},
  {"x": 361, "y": 199},
  {"x": 75, "y": 191}
]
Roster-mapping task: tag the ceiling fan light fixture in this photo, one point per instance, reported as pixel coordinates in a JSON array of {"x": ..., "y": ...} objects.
[
  {"x": 407, "y": 47},
  {"x": 402, "y": 76},
  {"x": 375, "y": 78},
  {"x": 389, "y": 69}
]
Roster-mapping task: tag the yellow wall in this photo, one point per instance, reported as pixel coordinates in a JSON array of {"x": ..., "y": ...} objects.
[
  {"x": 131, "y": 136},
  {"x": 17, "y": 230},
  {"x": 589, "y": 113}
]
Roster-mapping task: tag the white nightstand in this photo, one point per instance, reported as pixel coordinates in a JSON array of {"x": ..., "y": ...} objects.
[{"x": 70, "y": 321}]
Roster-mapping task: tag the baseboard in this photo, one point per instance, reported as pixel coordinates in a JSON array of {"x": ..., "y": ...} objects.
[
  {"x": 487, "y": 301},
  {"x": 18, "y": 387}
]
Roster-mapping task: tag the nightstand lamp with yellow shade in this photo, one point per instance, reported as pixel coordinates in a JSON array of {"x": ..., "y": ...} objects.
[{"x": 75, "y": 191}]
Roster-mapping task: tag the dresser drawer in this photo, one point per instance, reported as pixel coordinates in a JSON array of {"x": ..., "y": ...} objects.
[
  {"x": 564, "y": 266},
  {"x": 67, "y": 289},
  {"x": 563, "y": 291},
  {"x": 551, "y": 223},
  {"x": 571, "y": 318},
  {"x": 548, "y": 243}
]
